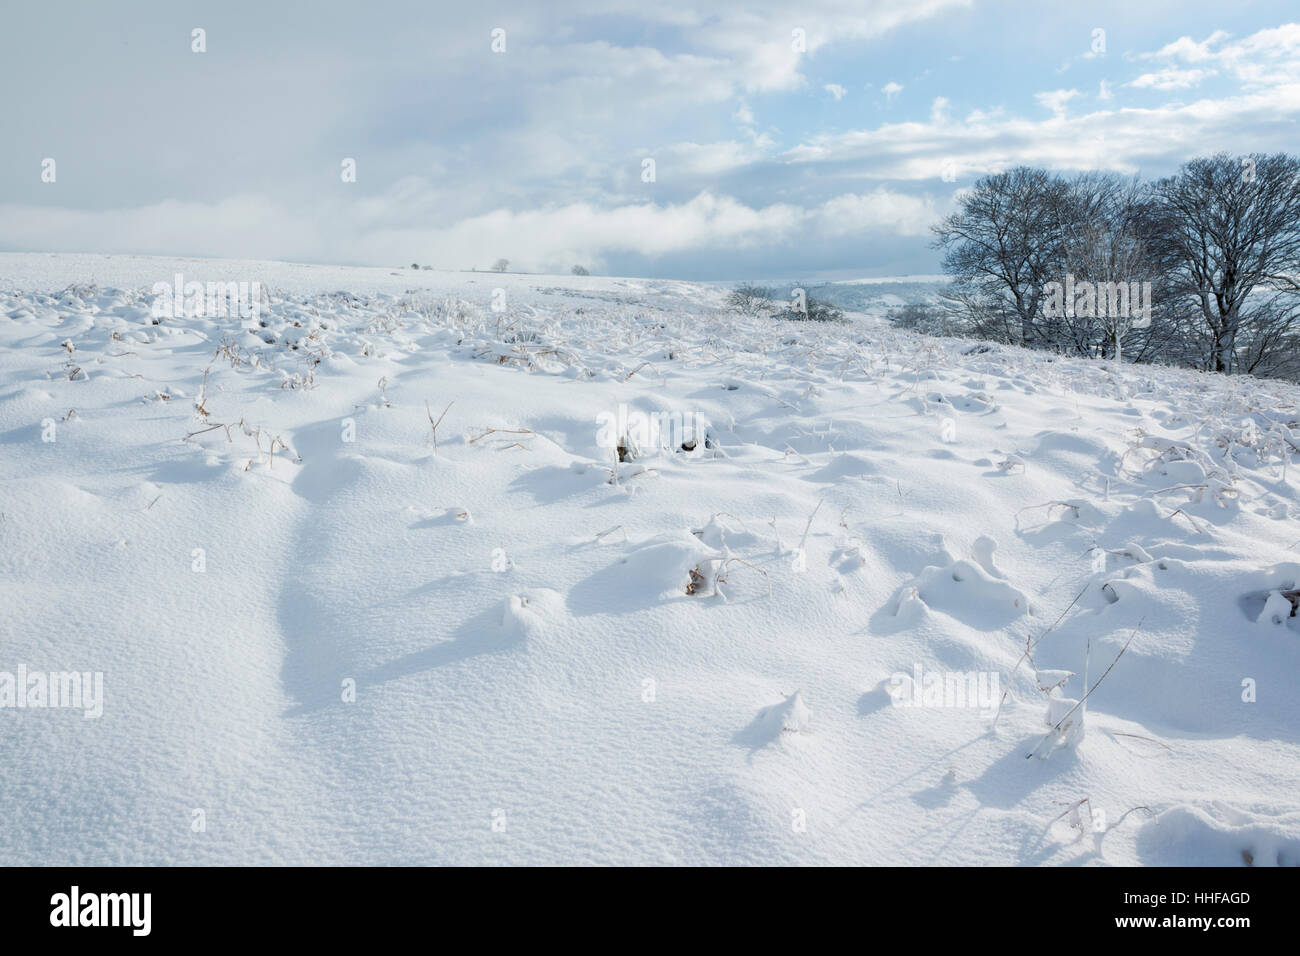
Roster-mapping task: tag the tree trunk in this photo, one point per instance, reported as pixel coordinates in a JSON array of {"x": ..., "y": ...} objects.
[{"x": 1223, "y": 346}]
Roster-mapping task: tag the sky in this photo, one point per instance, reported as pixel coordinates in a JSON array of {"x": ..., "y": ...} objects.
[{"x": 721, "y": 141}]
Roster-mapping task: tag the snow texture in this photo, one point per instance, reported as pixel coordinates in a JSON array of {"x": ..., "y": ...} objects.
[{"x": 325, "y": 641}]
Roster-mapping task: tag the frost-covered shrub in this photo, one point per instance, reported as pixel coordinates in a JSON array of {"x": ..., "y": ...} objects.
[
  {"x": 926, "y": 319},
  {"x": 750, "y": 299},
  {"x": 815, "y": 310}
]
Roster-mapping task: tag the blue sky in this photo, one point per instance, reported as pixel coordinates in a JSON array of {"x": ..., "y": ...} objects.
[{"x": 770, "y": 161}]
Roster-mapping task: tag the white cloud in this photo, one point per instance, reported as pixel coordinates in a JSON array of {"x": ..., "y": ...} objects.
[
  {"x": 1133, "y": 138},
  {"x": 1055, "y": 100},
  {"x": 878, "y": 211},
  {"x": 1171, "y": 78},
  {"x": 761, "y": 58},
  {"x": 1264, "y": 112},
  {"x": 551, "y": 135},
  {"x": 1267, "y": 57},
  {"x": 693, "y": 160},
  {"x": 1189, "y": 50},
  {"x": 547, "y": 238}
]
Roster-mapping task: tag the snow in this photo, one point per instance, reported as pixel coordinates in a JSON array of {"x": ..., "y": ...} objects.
[{"x": 322, "y": 641}]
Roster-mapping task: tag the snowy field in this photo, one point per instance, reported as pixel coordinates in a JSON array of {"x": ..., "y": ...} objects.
[{"x": 322, "y": 640}]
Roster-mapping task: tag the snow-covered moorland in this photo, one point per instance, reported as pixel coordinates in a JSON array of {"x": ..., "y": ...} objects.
[{"x": 791, "y": 627}]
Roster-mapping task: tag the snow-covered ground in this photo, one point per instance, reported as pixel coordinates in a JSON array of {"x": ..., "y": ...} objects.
[{"x": 324, "y": 641}]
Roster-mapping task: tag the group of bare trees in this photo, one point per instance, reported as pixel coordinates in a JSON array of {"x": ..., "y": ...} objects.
[{"x": 1201, "y": 268}]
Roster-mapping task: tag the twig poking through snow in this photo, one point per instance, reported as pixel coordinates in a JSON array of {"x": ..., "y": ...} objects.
[
  {"x": 434, "y": 425},
  {"x": 1029, "y": 647},
  {"x": 1057, "y": 727},
  {"x": 804, "y": 539}
]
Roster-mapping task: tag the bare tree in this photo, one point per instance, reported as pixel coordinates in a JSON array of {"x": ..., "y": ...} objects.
[
  {"x": 1100, "y": 218},
  {"x": 501, "y": 265},
  {"x": 1217, "y": 246},
  {"x": 1269, "y": 344},
  {"x": 1232, "y": 229},
  {"x": 1002, "y": 247}
]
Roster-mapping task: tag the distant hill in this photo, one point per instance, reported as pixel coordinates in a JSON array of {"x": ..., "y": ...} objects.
[{"x": 872, "y": 296}]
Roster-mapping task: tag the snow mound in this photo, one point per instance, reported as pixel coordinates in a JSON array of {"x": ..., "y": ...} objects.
[{"x": 374, "y": 533}]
